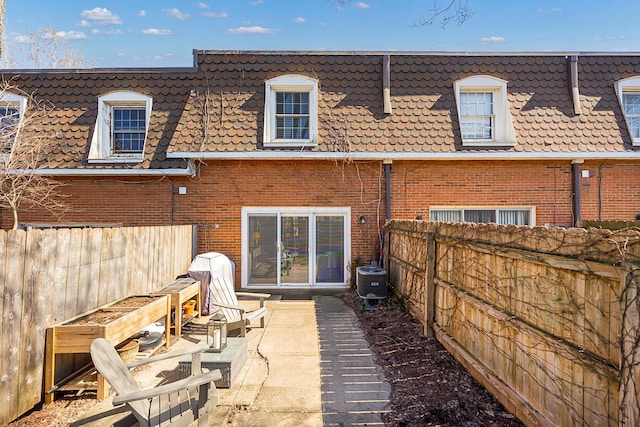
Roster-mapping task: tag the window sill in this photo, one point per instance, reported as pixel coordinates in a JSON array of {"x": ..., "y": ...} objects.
[
  {"x": 290, "y": 144},
  {"x": 487, "y": 144},
  {"x": 136, "y": 159}
]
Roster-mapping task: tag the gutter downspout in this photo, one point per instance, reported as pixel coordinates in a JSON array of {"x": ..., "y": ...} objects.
[
  {"x": 575, "y": 191},
  {"x": 387, "y": 185}
]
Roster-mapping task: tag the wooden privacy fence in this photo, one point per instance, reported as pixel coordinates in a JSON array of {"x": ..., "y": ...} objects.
[
  {"x": 547, "y": 319},
  {"x": 48, "y": 276}
]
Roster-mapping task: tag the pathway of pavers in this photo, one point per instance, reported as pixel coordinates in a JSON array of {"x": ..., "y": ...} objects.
[{"x": 354, "y": 391}]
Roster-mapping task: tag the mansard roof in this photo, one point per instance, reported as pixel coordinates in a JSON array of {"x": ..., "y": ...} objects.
[{"x": 216, "y": 108}]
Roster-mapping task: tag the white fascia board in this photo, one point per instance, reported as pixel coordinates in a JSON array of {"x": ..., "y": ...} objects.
[
  {"x": 112, "y": 172},
  {"x": 303, "y": 155}
]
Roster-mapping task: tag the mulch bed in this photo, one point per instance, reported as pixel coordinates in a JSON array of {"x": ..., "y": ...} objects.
[{"x": 428, "y": 386}]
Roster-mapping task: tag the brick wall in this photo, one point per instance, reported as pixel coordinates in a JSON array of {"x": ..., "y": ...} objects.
[
  {"x": 545, "y": 185},
  {"x": 611, "y": 192},
  {"x": 217, "y": 194}
]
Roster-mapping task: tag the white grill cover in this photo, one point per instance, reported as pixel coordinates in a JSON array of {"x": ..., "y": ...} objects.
[{"x": 204, "y": 267}]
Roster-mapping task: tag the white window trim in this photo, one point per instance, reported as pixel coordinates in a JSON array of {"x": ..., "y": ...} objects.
[
  {"x": 244, "y": 233},
  {"x": 631, "y": 84},
  {"x": 531, "y": 209},
  {"x": 503, "y": 132},
  {"x": 21, "y": 102},
  {"x": 100, "y": 150},
  {"x": 289, "y": 83}
]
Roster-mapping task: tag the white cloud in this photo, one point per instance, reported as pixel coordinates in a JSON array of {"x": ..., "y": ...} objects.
[
  {"x": 157, "y": 32},
  {"x": 67, "y": 35},
  {"x": 363, "y": 5},
  {"x": 215, "y": 14},
  {"x": 609, "y": 38},
  {"x": 552, "y": 10},
  {"x": 23, "y": 39},
  {"x": 120, "y": 54},
  {"x": 83, "y": 23},
  {"x": 493, "y": 39},
  {"x": 109, "y": 33},
  {"x": 142, "y": 13},
  {"x": 175, "y": 13},
  {"x": 101, "y": 16},
  {"x": 257, "y": 2},
  {"x": 163, "y": 57},
  {"x": 201, "y": 5},
  {"x": 298, "y": 20},
  {"x": 252, "y": 30}
]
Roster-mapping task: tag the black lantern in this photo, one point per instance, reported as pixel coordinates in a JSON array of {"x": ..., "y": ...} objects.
[{"x": 217, "y": 333}]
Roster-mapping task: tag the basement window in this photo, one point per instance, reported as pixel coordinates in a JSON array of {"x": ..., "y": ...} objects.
[
  {"x": 483, "y": 112},
  {"x": 502, "y": 215},
  {"x": 121, "y": 128},
  {"x": 291, "y": 112}
]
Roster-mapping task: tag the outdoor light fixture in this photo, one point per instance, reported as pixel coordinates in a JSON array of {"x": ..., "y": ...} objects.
[
  {"x": 217, "y": 333},
  {"x": 419, "y": 217},
  {"x": 362, "y": 219}
]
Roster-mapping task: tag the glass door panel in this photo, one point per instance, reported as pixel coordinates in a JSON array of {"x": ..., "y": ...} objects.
[
  {"x": 329, "y": 249},
  {"x": 294, "y": 252},
  {"x": 263, "y": 249}
]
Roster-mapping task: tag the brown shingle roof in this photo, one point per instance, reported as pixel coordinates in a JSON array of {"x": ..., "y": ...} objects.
[
  {"x": 219, "y": 107},
  {"x": 74, "y": 97},
  {"x": 424, "y": 116}
]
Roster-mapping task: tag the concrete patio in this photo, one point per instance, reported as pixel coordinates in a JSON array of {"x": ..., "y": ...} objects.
[{"x": 309, "y": 366}]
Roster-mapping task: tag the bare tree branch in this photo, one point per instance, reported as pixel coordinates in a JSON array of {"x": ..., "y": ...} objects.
[
  {"x": 43, "y": 48},
  {"x": 22, "y": 153},
  {"x": 456, "y": 11},
  {"x": 444, "y": 12},
  {"x": 2, "y": 10}
]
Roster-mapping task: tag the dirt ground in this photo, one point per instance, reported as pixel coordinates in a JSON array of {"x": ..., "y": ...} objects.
[{"x": 428, "y": 386}]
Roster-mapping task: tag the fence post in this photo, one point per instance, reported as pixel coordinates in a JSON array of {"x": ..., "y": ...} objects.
[
  {"x": 430, "y": 286},
  {"x": 194, "y": 240},
  {"x": 630, "y": 343},
  {"x": 385, "y": 250}
]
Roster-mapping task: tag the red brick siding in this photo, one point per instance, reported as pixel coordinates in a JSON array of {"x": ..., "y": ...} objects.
[
  {"x": 617, "y": 183},
  {"x": 221, "y": 188},
  {"x": 546, "y": 185}
]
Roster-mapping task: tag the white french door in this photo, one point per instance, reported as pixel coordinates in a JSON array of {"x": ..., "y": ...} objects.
[{"x": 295, "y": 247}]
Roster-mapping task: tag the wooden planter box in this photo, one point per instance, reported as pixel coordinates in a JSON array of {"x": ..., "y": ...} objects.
[
  {"x": 181, "y": 291},
  {"x": 116, "y": 322}
]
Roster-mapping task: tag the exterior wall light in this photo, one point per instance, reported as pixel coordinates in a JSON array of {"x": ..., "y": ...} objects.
[{"x": 362, "y": 219}]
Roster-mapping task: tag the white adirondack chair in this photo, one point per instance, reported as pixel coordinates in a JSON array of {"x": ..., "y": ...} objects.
[
  {"x": 179, "y": 403},
  {"x": 225, "y": 297}
]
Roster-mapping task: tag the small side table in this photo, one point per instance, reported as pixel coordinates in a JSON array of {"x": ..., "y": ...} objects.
[
  {"x": 180, "y": 291},
  {"x": 230, "y": 361}
]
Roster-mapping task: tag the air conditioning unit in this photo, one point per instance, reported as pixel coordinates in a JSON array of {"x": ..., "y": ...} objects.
[{"x": 371, "y": 282}]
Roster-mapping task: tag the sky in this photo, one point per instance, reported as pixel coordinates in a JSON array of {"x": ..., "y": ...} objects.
[{"x": 163, "y": 33}]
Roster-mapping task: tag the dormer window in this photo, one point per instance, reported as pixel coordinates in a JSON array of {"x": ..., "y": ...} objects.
[
  {"x": 483, "y": 112},
  {"x": 291, "y": 112},
  {"x": 11, "y": 112},
  {"x": 628, "y": 91},
  {"x": 477, "y": 120},
  {"x": 121, "y": 128}
]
